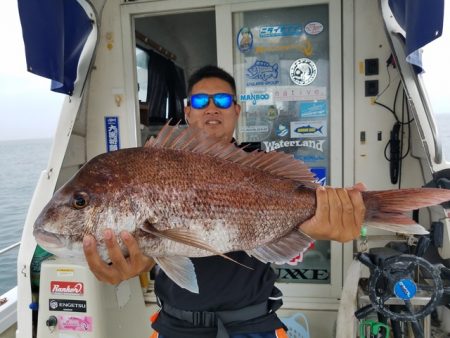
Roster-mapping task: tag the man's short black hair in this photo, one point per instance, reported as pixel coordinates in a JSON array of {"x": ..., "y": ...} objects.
[{"x": 210, "y": 71}]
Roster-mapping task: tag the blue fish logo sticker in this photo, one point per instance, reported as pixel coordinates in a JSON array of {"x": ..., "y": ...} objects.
[
  {"x": 263, "y": 70},
  {"x": 308, "y": 129}
]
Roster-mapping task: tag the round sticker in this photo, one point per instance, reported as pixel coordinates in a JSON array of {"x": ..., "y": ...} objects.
[
  {"x": 303, "y": 71},
  {"x": 405, "y": 289},
  {"x": 313, "y": 28},
  {"x": 244, "y": 39},
  {"x": 272, "y": 113}
]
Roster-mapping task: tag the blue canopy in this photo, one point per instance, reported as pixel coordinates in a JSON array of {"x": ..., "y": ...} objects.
[
  {"x": 54, "y": 33},
  {"x": 422, "y": 20}
]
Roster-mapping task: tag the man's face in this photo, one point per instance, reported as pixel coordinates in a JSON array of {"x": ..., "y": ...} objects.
[{"x": 217, "y": 122}]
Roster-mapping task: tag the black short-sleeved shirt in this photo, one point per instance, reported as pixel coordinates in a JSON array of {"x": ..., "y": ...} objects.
[{"x": 223, "y": 285}]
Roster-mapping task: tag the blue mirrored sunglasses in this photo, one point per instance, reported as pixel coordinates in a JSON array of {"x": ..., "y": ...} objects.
[{"x": 221, "y": 100}]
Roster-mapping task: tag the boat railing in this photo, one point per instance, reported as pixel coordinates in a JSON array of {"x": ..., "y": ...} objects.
[
  {"x": 8, "y": 301},
  {"x": 8, "y": 248}
]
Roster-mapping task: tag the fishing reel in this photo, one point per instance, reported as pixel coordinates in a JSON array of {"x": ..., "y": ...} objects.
[{"x": 398, "y": 282}]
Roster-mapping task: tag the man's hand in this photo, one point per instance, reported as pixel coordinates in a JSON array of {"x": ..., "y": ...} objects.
[
  {"x": 339, "y": 214},
  {"x": 121, "y": 268}
]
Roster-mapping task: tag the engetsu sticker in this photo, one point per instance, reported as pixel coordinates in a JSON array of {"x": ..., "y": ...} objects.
[
  {"x": 244, "y": 39},
  {"x": 313, "y": 28},
  {"x": 67, "y": 305},
  {"x": 303, "y": 71}
]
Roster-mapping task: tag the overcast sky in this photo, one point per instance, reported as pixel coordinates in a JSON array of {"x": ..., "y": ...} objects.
[{"x": 28, "y": 109}]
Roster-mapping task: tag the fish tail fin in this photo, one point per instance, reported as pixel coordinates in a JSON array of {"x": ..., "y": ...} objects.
[{"x": 386, "y": 209}]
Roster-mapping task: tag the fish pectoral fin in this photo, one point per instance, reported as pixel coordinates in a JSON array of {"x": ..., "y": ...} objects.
[
  {"x": 283, "y": 250},
  {"x": 188, "y": 238},
  {"x": 181, "y": 270}
]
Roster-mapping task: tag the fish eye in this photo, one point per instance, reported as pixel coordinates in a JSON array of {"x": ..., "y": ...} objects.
[{"x": 80, "y": 200}]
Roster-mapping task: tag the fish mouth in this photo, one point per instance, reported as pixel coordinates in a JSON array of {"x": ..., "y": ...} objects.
[{"x": 47, "y": 239}]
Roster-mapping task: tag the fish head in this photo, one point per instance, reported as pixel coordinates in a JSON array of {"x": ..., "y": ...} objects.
[{"x": 95, "y": 198}]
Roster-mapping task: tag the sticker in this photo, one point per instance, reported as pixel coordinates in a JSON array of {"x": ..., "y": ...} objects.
[
  {"x": 67, "y": 305},
  {"x": 313, "y": 28},
  {"x": 304, "y": 47},
  {"x": 282, "y": 130},
  {"x": 66, "y": 288},
  {"x": 64, "y": 272},
  {"x": 321, "y": 175},
  {"x": 310, "y": 158},
  {"x": 313, "y": 109},
  {"x": 295, "y": 93},
  {"x": 244, "y": 39},
  {"x": 308, "y": 128},
  {"x": 405, "y": 289},
  {"x": 263, "y": 71},
  {"x": 75, "y": 323},
  {"x": 255, "y": 129},
  {"x": 272, "y": 113},
  {"x": 281, "y": 30},
  {"x": 112, "y": 133},
  {"x": 275, "y": 145},
  {"x": 256, "y": 98},
  {"x": 303, "y": 71}
]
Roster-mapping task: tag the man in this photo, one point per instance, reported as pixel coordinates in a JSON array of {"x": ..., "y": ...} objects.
[{"x": 234, "y": 301}]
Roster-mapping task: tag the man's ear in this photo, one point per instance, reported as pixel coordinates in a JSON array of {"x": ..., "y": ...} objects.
[
  {"x": 237, "y": 108},
  {"x": 187, "y": 113}
]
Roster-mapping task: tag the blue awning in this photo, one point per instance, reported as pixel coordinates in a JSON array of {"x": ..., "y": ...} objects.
[
  {"x": 54, "y": 33},
  {"x": 422, "y": 21}
]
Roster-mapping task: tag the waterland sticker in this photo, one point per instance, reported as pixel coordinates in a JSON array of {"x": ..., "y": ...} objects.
[
  {"x": 112, "y": 133},
  {"x": 280, "y": 30},
  {"x": 244, "y": 39},
  {"x": 313, "y": 109},
  {"x": 313, "y": 28},
  {"x": 75, "y": 323},
  {"x": 280, "y": 144},
  {"x": 314, "y": 128},
  {"x": 303, "y": 71}
]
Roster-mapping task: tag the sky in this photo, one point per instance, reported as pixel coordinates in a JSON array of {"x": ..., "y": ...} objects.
[{"x": 28, "y": 109}]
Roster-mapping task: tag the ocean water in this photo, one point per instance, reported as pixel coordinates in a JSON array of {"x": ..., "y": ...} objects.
[{"x": 21, "y": 164}]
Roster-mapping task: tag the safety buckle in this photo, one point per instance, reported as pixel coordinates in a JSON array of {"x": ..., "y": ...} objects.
[{"x": 203, "y": 318}]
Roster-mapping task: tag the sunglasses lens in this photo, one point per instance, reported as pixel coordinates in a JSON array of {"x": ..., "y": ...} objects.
[
  {"x": 223, "y": 100},
  {"x": 199, "y": 101}
]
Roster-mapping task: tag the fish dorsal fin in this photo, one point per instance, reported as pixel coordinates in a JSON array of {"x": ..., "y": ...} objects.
[
  {"x": 283, "y": 250},
  {"x": 188, "y": 238},
  {"x": 180, "y": 270},
  {"x": 198, "y": 141}
]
